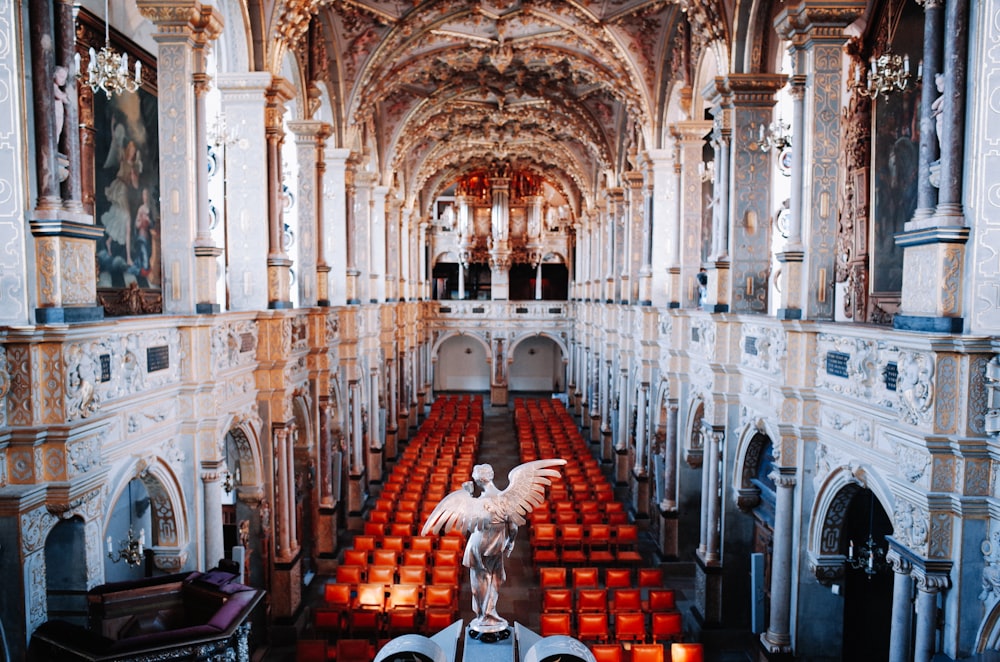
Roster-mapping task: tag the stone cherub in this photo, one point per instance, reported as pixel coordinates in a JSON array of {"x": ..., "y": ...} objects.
[{"x": 491, "y": 519}]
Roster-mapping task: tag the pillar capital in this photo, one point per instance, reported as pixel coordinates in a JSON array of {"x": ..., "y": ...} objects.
[
  {"x": 182, "y": 18},
  {"x": 809, "y": 21}
]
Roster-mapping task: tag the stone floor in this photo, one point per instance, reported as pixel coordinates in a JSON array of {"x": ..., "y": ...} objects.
[{"x": 520, "y": 596}]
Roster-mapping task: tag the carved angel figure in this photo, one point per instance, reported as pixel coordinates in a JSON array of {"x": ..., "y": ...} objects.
[{"x": 491, "y": 520}]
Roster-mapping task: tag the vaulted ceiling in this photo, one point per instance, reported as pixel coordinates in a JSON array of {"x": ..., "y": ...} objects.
[{"x": 431, "y": 91}]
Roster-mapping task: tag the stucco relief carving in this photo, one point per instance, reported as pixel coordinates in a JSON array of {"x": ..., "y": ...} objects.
[
  {"x": 35, "y": 526},
  {"x": 763, "y": 347},
  {"x": 830, "y": 458},
  {"x": 171, "y": 452},
  {"x": 915, "y": 386},
  {"x": 34, "y": 568},
  {"x": 77, "y": 258},
  {"x": 703, "y": 336},
  {"x": 234, "y": 344},
  {"x": 939, "y": 546},
  {"x": 82, "y": 456},
  {"x": 4, "y": 386},
  {"x": 141, "y": 420},
  {"x": 910, "y": 524},
  {"x": 911, "y": 462},
  {"x": 990, "y": 593}
]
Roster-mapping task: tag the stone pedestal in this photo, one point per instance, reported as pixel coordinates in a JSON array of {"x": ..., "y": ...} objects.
[
  {"x": 286, "y": 588},
  {"x": 932, "y": 280},
  {"x": 326, "y": 539},
  {"x": 708, "y": 594},
  {"x": 498, "y": 395},
  {"x": 790, "y": 285},
  {"x": 668, "y": 533},
  {"x": 717, "y": 290},
  {"x": 64, "y": 267}
]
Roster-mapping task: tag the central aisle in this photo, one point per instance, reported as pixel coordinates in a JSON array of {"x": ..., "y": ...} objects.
[{"x": 519, "y": 595}]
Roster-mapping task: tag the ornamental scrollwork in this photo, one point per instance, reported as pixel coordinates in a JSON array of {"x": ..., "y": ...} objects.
[
  {"x": 915, "y": 386},
  {"x": 910, "y": 525}
]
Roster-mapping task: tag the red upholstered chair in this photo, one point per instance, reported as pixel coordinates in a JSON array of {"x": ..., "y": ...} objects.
[
  {"x": 592, "y": 626},
  {"x": 588, "y": 577},
  {"x": 557, "y": 599},
  {"x": 445, "y": 574},
  {"x": 543, "y": 543},
  {"x": 412, "y": 557},
  {"x": 650, "y": 578},
  {"x": 381, "y": 574},
  {"x": 402, "y": 608},
  {"x": 626, "y": 599},
  {"x": 626, "y": 540},
  {"x": 552, "y": 577},
  {"x": 661, "y": 599},
  {"x": 354, "y": 650},
  {"x": 686, "y": 652},
  {"x": 646, "y": 653},
  {"x": 422, "y": 544},
  {"x": 599, "y": 544},
  {"x": 571, "y": 549},
  {"x": 355, "y": 557},
  {"x": 592, "y": 599},
  {"x": 365, "y": 543},
  {"x": 440, "y": 607},
  {"x": 608, "y": 652},
  {"x": 350, "y": 574},
  {"x": 556, "y": 623},
  {"x": 666, "y": 626},
  {"x": 618, "y": 578},
  {"x": 412, "y": 574},
  {"x": 310, "y": 650},
  {"x": 446, "y": 557},
  {"x": 630, "y": 626},
  {"x": 385, "y": 557}
]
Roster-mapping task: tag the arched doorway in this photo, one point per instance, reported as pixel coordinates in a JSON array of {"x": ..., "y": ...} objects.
[
  {"x": 867, "y": 583},
  {"x": 462, "y": 365},
  {"x": 66, "y": 583},
  {"x": 537, "y": 365},
  {"x": 130, "y": 520}
]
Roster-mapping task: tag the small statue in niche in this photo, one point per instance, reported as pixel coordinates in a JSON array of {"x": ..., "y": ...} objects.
[{"x": 59, "y": 77}]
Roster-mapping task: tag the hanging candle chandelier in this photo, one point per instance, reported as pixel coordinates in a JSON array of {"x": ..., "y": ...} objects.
[{"x": 108, "y": 70}]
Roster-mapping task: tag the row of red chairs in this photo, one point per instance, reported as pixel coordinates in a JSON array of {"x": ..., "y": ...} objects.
[
  {"x": 344, "y": 650},
  {"x": 617, "y": 652},
  {"x": 596, "y": 577},
  {"x": 391, "y": 581},
  {"x": 600, "y": 627},
  {"x": 613, "y": 600},
  {"x": 374, "y": 609},
  {"x": 583, "y": 545}
]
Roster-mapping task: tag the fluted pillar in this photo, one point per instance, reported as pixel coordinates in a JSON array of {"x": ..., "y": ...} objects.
[
  {"x": 902, "y": 606},
  {"x": 279, "y": 265},
  {"x": 308, "y": 138},
  {"x": 212, "y": 500},
  {"x": 777, "y": 638}
]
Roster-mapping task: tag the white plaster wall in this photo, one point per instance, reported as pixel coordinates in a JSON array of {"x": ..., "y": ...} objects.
[
  {"x": 536, "y": 366},
  {"x": 15, "y": 261},
  {"x": 461, "y": 366}
]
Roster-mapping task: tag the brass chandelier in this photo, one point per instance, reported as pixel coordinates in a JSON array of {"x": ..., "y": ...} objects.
[{"x": 108, "y": 70}]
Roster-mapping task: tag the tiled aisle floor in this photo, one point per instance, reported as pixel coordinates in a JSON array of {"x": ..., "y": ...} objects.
[{"x": 520, "y": 597}]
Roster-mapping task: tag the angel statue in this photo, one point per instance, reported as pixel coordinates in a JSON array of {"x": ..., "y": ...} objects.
[{"x": 491, "y": 519}]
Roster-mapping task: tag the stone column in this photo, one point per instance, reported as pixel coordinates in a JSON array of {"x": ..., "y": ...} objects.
[
  {"x": 391, "y": 428},
  {"x": 615, "y": 220},
  {"x": 622, "y": 442},
  {"x": 205, "y": 251},
  {"x": 635, "y": 246},
  {"x": 184, "y": 29},
  {"x": 792, "y": 255},
  {"x": 212, "y": 499},
  {"x": 902, "y": 606},
  {"x": 607, "y": 449},
  {"x": 706, "y": 434},
  {"x": 65, "y": 33},
  {"x": 351, "y": 222},
  {"x": 663, "y": 224},
  {"x": 376, "y": 447},
  {"x": 377, "y": 237},
  {"x": 333, "y": 220},
  {"x": 641, "y": 405},
  {"x": 500, "y": 256},
  {"x": 356, "y": 494},
  {"x": 817, "y": 33},
  {"x": 718, "y": 265},
  {"x": 928, "y": 587},
  {"x": 713, "y": 459},
  {"x": 668, "y": 507},
  {"x": 422, "y": 275},
  {"x": 684, "y": 272},
  {"x": 309, "y": 137},
  {"x": 245, "y": 167},
  {"x": 929, "y": 166},
  {"x": 934, "y": 248},
  {"x": 64, "y": 236},
  {"x": 279, "y": 265},
  {"x": 751, "y": 101},
  {"x": 777, "y": 638}
]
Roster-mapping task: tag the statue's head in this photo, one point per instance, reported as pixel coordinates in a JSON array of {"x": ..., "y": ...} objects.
[{"x": 482, "y": 474}]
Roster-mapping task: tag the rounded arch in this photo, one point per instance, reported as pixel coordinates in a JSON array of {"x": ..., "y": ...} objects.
[
  {"x": 517, "y": 340},
  {"x": 754, "y": 440},
  {"x": 693, "y": 443},
  {"x": 233, "y": 50},
  {"x": 829, "y": 515},
  {"x": 245, "y": 435},
  {"x": 461, "y": 362}
]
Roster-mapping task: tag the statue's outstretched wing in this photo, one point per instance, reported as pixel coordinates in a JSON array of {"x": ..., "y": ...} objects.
[
  {"x": 526, "y": 488},
  {"x": 458, "y": 510}
]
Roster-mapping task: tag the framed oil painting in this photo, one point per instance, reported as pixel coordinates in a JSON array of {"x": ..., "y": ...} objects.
[
  {"x": 895, "y": 161},
  {"x": 121, "y": 178}
]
